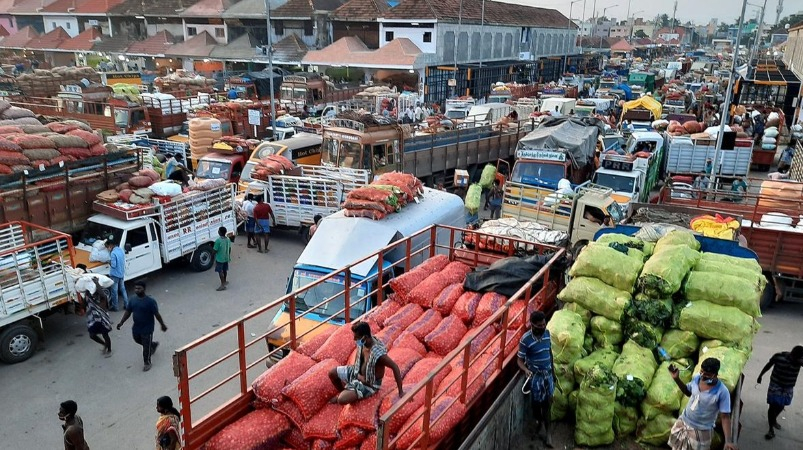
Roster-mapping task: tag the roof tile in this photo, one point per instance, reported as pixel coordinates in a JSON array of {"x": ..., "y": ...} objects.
[
  {"x": 290, "y": 49},
  {"x": 85, "y": 40},
  {"x": 21, "y": 38},
  {"x": 116, "y": 44},
  {"x": 29, "y": 6},
  {"x": 81, "y": 6},
  {"x": 200, "y": 45},
  {"x": 160, "y": 8},
  {"x": 361, "y": 10},
  {"x": 495, "y": 13},
  {"x": 400, "y": 52},
  {"x": 154, "y": 45}
]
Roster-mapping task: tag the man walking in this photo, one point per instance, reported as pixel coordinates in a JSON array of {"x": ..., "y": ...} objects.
[
  {"x": 250, "y": 223},
  {"x": 144, "y": 309},
  {"x": 222, "y": 249},
  {"x": 263, "y": 214},
  {"x": 785, "y": 369},
  {"x": 535, "y": 359},
  {"x": 708, "y": 398},
  {"x": 117, "y": 274},
  {"x": 73, "y": 426}
]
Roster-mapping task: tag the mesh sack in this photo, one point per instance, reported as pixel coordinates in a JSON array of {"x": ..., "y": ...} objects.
[
  {"x": 62, "y": 159},
  {"x": 80, "y": 124},
  {"x": 350, "y": 438},
  {"x": 6, "y": 145},
  {"x": 369, "y": 443},
  {"x": 98, "y": 150},
  {"x": 517, "y": 315},
  {"x": 294, "y": 439},
  {"x": 76, "y": 152},
  {"x": 312, "y": 344},
  {"x": 262, "y": 428},
  {"x": 15, "y": 112},
  {"x": 389, "y": 334},
  {"x": 362, "y": 414},
  {"x": 365, "y": 204},
  {"x": 475, "y": 383},
  {"x": 423, "y": 367},
  {"x": 466, "y": 306},
  {"x": 41, "y": 154},
  {"x": 369, "y": 194},
  {"x": 61, "y": 128},
  {"x": 424, "y": 292},
  {"x": 408, "y": 340},
  {"x": 447, "y": 298},
  {"x": 313, "y": 390},
  {"x": 405, "y": 316},
  {"x": 66, "y": 140},
  {"x": 289, "y": 410},
  {"x": 338, "y": 346},
  {"x": 446, "y": 336},
  {"x": 323, "y": 425},
  {"x": 89, "y": 137},
  {"x": 445, "y": 415},
  {"x": 405, "y": 358},
  {"x": 26, "y": 141},
  {"x": 10, "y": 129},
  {"x": 34, "y": 129},
  {"x": 424, "y": 324},
  {"x": 490, "y": 303},
  {"x": 393, "y": 425},
  {"x": 480, "y": 340},
  {"x": 13, "y": 158},
  {"x": 365, "y": 213},
  {"x": 125, "y": 195},
  {"x": 5, "y": 170},
  {"x": 383, "y": 311},
  {"x": 320, "y": 444},
  {"x": 269, "y": 385},
  {"x": 404, "y": 283},
  {"x": 22, "y": 167}
]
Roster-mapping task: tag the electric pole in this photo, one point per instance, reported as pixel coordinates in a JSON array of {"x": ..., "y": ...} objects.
[
  {"x": 674, "y": 11},
  {"x": 778, "y": 12}
]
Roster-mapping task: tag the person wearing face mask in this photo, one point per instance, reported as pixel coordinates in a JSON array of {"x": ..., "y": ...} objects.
[
  {"x": 364, "y": 378},
  {"x": 709, "y": 397},
  {"x": 144, "y": 309},
  {"x": 785, "y": 369},
  {"x": 535, "y": 360},
  {"x": 73, "y": 426}
]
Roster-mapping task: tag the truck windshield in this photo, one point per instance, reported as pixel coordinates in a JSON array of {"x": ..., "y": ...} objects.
[
  {"x": 619, "y": 183},
  {"x": 94, "y": 232},
  {"x": 121, "y": 117},
  {"x": 456, "y": 114},
  {"x": 208, "y": 169},
  {"x": 538, "y": 174},
  {"x": 332, "y": 289},
  {"x": 246, "y": 175}
]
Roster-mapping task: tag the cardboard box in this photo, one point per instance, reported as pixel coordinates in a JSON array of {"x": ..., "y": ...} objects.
[{"x": 461, "y": 178}]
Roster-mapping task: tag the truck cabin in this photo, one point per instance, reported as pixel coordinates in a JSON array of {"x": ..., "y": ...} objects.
[
  {"x": 352, "y": 144},
  {"x": 130, "y": 117},
  {"x": 136, "y": 237},
  {"x": 458, "y": 109},
  {"x": 622, "y": 176},
  {"x": 306, "y": 89},
  {"x": 220, "y": 166},
  {"x": 675, "y": 106},
  {"x": 302, "y": 148},
  {"x": 545, "y": 168}
]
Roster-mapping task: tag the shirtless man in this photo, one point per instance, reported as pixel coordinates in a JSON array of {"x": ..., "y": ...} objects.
[{"x": 364, "y": 378}]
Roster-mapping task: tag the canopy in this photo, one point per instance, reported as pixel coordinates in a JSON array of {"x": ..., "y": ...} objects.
[
  {"x": 576, "y": 136},
  {"x": 646, "y": 102}
]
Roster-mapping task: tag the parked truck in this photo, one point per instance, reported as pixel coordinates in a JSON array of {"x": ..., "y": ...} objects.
[
  {"x": 687, "y": 155},
  {"x": 498, "y": 336},
  {"x": 632, "y": 176},
  {"x": 185, "y": 227},
  {"x": 35, "y": 262}
]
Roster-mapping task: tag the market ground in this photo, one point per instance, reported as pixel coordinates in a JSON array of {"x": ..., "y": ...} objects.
[{"x": 117, "y": 400}]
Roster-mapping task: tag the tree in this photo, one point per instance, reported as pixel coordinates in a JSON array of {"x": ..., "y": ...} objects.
[
  {"x": 640, "y": 34},
  {"x": 664, "y": 20}
]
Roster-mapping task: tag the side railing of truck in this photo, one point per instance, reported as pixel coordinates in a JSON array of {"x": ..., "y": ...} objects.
[
  {"x": 544, "y": 206},
  {"x": 51, "y": 107},
  {"x": 215, "y": 372},
  {"x": 349, "y": 178}
]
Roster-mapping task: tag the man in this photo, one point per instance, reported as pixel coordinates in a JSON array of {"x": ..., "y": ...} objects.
[
  {"x": 316, "y": 223},
  {"x": 495, "y": 200},
  {"x": 739, "y": 188},
  {"x": 535, "y": 359},
  {"x": 419, "y": 113},
  {"x": 364, "y": 378},
  {"x": 708, "y": 398},
  {"x": 175, "y": 170},
  {"x": 785, "y": 369},
  {"x": 305, "y": 112},
  {"x": 250, "y": 223},
  {"x": 98, "y": 322},
  {"x": 222, "y": 249},
  {"x": 263, "y": 214},
  {"x": 144, "y": 309},
  {"x": 557, "y": 112},
  {"x": 117, "y": 274},
  {"x": 73, "y": 426}
]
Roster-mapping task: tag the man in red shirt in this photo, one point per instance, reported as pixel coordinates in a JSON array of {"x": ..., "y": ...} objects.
[{"x": 263, "y": 213}]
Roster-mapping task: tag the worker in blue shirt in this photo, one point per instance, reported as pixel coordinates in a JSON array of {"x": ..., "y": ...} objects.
[
  {"x": 536, "y": 361},
  {"x": 117, "y": 274}
]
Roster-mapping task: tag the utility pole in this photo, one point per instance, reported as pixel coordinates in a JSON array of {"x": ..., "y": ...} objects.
[
  {"x": 594, "y": 23},
  {"x": 674, "y": 12},
  {"x": 757, "y": 44},
  {"x": 270, "y": 69},
  {"x": 778, "y": 11}
]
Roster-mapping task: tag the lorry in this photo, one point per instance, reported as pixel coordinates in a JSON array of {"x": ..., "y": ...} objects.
[
  {"x": 505, "y": 92},
  {"x": 685, "y": 155},
  {"x": 167, "y": 115},
  {"x": 208, "y": 404},
  {"x": 36, "y": 282},
  {"x": 564, "y": 106},
  {"x": 60, "y": 197},
  {"x": 644, "y": 82},
  {"x": 484, "y": 115},
  {"x": 632, "y": 176},
  {"x": 183, "y": 227},
  {"x": 560, "y": 147},
  {"x": 312, "y": 90},
  {"x": 301, "y": 148},
  {"x": 638, "y": 114},
  {"x": 457, "y": 108}
]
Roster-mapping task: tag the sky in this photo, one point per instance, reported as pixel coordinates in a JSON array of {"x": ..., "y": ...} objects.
[{"x": 697, "y": 11}]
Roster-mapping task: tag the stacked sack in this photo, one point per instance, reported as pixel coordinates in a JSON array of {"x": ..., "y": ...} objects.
[
  {"x": 204, "y": 131},
  {"x": 427, "y": 317},
  {"x": 632, "y": 309},
  {"x": 387, "y": 194},
  {"x": 272, "y": 165},
  {"x": 770, "y": 139}
]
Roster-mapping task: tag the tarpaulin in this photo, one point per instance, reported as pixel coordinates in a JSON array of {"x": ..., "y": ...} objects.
[{"x": 577, "y": 136}]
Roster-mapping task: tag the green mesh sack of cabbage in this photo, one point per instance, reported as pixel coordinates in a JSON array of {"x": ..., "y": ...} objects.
[
  {"x": 608, "y": 265},
  {"x": 655, "y": 431},
  {"x": 488, "y": 176},
  {"x": 596, "y": 296},
  {"x": 595, "y": 408},
  {"x": 712, "y": 321},
  {"x": 677, "y": 237},
  {"x": 655, "y": 311},
  {"x": 642, "y": 333},
  {"x": 564, "y": 385},
  {"x": 625, "y": 420},
  {"x": 663, "y": 273},
  {"x": 473, "y": 198},
  {"x": 584, "y": 313},
  {"x": 663, "y": 396},
  {"x": 605, "y": 357},
  {"x": 635, "y": 243},
  {"x": 732, "y": 261},
  {"x": 740, "y": 267},
  {"x": 607, "y": 333},
  {"x": 731, "y": 362},
  {"x": 634, "y": 368},
  {"x": 567, "y": 333},
  {"x": 724, "y": 290},
  {"x": 680, "y": 344}
]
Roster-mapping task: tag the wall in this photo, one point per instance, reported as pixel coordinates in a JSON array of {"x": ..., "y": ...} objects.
[
  {"x": 620, "y": 31},
  {"x": 466, "y": 43},
  {"x": 176, "y": 29},
  {"x": 213, "y": 31},
  {"x": 793, "y": 56},
  {"x": 503, "y": 425},
  {"x": 304, "y": 29},
  {"x": 368, "y": 32},
  {"x": 411, "y": 32},
  {"x": 69, "y": 23}
]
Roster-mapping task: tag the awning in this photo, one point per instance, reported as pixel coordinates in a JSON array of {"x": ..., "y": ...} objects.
[
  {"x": 400, "y": 53},
  {"x": 646, "y": 102}
]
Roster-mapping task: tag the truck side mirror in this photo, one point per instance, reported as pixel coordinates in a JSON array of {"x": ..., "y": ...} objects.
[{"x": 127, "y": 248}]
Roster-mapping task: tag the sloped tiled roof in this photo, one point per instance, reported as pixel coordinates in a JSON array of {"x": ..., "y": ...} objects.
[
  {"x": 207, "y": 8},
  {"x": 240, "y": 49},
  {"x": 81, "y": 6},
  {"x": 3, "y": 31},
  {"x": 116, "y": 44},
  {"x": 29, "y": 6},
  {"x": 400, "y": 53},
  {"x": 250, "y": 9},
  {"x": 200, "y": 45},
  {"x": 50, "y": 40},
  {"x": 622, "y": 46},
  {"x": 361, "y": 10},
  {"x": 159, "y": 8},
  {"x": 21, "y": 38},
  {"x": 84, "y": 41},
  {"x": 291, "y": 49},
  {"x": 495, "y": 13},
  {"x": 303, "y": 9},
  {"x": 154, "y": 45}
]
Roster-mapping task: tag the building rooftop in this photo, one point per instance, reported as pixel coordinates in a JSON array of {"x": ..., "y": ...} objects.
[
  {"x": 495, "y": 13},
  {"x": 84, "y": 41},
  {"x": 155, "y": 45},
  {"x": 200, "y": 45},
  {"x": 20, "y": 39},
  {"x": 361, "y": 10},
  {"x": 152, "y": 8}
]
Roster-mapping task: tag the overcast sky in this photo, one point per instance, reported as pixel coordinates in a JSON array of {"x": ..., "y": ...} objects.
[{"x": 698, "y": 11}]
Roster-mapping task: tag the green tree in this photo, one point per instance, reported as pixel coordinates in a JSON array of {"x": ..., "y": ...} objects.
[
  {"x": 640, "y": 34},
  {"x": 664, "y": 20}
]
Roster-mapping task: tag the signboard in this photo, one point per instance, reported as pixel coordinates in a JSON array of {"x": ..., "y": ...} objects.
[
  {"x": 294, "y": 79},
  {"x": 254, "y": 117},
  {"x": 554, "y": 91},
  {"x": 545, "y": 155},
  {"x": 619, "y": 164},
  {"x": 452, "y": 82}
]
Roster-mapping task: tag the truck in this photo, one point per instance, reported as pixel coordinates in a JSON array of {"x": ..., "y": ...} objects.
[
  {"x": 484, "y": 115},
  {"x": 301, "y": 148},
  {"x": 167, "y": 115},
  {"x": 505, "y": 92},
  {"x": 60, "y": 197},
  {"x": 632, "y": 176},
  {"x": 36, "y": 282},
  {"x": 560, "y": 147},
  {"x": 457, "y": 108},
  {"x": 685, "y": 155},
  {"x": 312, "y": 90},
  {"x": 562, "y": 105},
  {"x": 644, "y": 82},
  {"x": 639, "y": 114},
  {"x": 184, "y": 227},
  {"x": 208, "y": 405}
]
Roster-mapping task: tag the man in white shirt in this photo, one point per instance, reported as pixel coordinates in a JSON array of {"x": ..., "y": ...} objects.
[
  {"x": 557, "y": 112},
  {"x": 419, "y": 113},
  {"x": 250, "y": 222}
]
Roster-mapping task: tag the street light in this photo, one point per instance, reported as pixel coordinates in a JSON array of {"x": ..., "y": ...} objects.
[
  {"x": 270, "y": 69},
  {"x": 568, "y": 31},
  {"x": 756, "y": 45},
  {"x": 603, "y": 15}
]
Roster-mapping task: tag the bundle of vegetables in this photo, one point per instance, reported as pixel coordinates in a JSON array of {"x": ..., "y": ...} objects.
[
  {"x": 407, "y": 183},
  {"x": 725, "y": 290},
  {"x": 272, "y": 165},
  {"x": 608, "y": 265},
  {"x": 712, "y": 321},
  {"x": 664, "y": 272},
  {"x": 597, "y": 297},
  {"x": 473, "y": 198},
  {"x": 629, "y": 241},
  {"x": 564, "y": 385},
  {"x": 566, "y": 330},
  {"x": 731, "y": 361},
  {"x": 606, "y": 333},
  {"x": 595, "y": 408},
  {"x": 663, "y": 395},
  {"x": 635, "y": 368},
  {"x": 488, "y": 176}
]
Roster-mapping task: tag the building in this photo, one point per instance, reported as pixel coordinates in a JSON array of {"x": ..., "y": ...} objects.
[
  {"x": 583, "y": 28},
  {"x": 793, "y": 55},
  {"x": 620, "y": 31}
]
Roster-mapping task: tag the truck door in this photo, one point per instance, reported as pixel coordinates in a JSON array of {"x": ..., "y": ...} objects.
[{"x": 142, "y": 251}]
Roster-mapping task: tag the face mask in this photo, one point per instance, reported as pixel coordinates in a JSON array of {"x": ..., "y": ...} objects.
[
  {"x": 710, "y": 381},
  {"x": 538, "y": 330},
  {"x": 63, "y": 418}
]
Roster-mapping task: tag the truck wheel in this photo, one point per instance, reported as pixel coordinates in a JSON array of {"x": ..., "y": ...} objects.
[
  {"x": 768, "y": 296},
  {"x": 203, "y": 259},
  {"x": 17, "y": 343}
]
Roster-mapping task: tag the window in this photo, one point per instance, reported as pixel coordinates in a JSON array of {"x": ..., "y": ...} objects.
[
  {"x": 278, "y": 27},
  {"x": 388, "y": 36},
  {"x": 427, "y": 36},
  {"x": 68, "y": 25},
  {"x": 220, "y": 32},
  {"x": 192, "y": 31},
  {"x": 137, "y": 237},
  {"x": 53, "y": 25},
  {"x": 309, "y": 28}
]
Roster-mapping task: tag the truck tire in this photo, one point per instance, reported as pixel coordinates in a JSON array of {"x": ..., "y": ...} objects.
[
  {"x": 768, "y": 296},
  {"x": 203, "y": 259},
  {"x": 18, "y": 343}
]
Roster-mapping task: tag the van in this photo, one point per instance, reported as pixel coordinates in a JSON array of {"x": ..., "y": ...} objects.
[
  {"x": 488, "y": 114},
  {"x": 564, "y": 105},
  {"x": 341, "y": 240}
]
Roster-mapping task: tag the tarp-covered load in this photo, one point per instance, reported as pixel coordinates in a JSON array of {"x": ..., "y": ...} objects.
[{"x": 574, "y": 135}]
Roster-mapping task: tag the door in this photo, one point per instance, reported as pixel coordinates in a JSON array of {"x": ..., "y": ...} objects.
[{"x": 142, "y": 252}]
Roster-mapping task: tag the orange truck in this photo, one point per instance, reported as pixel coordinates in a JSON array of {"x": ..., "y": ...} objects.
[{"x": 213, "y": 396}]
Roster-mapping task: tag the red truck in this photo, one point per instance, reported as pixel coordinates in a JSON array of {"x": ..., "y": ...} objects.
[
  {"x": 777, "y": 243},
  {"x": 204, "y": 387}
]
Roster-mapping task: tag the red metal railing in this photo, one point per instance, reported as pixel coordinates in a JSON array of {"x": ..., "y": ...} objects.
[{"x": 226, "y": 390}]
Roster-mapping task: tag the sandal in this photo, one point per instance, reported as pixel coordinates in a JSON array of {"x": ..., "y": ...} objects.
[{"x": 769, "y": 435}]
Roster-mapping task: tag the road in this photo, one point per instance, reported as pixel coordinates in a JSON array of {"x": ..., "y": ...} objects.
[{"x": 116, "y": 399}]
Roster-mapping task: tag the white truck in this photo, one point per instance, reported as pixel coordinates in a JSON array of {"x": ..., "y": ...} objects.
[
  {"x": 685, "y": 155},
  {"x": 156, "y": 234},
  {"x": 633, "y": 175},
  {"x": 35, "y": 280},
  {"x": 458, "y": 108},
  {"x": 564, "y": 105}
]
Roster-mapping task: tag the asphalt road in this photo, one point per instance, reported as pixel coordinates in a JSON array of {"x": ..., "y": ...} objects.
[{"x": 116, "y": 399}]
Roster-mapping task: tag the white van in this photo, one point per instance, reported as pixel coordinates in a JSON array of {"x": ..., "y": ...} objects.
[
  {"x": 487, "y": 114},
  {"x": 564, "y": 105}
]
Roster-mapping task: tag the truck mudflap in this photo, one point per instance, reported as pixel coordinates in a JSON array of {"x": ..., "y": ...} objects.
[{"x": 212, "y": 395}]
